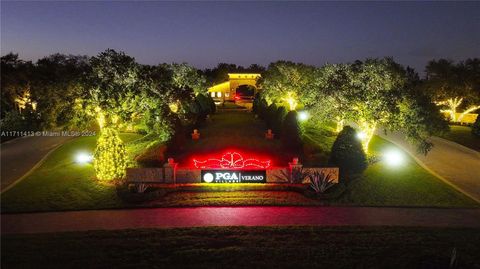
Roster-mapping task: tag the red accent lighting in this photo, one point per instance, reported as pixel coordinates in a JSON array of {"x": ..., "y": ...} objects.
[
  {"x": 237, "y": 97},
  {"x": 231, "y": 160}
]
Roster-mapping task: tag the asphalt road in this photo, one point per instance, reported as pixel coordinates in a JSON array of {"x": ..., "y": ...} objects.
[
  {"x": 456, "y": 164},
  {"x": 237, "y": 216},
  {"x": 20, "y": 155}
]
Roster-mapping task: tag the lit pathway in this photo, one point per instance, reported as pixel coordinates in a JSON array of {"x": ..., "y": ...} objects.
[
  {"x": 236, "y": 216},
  {"x": 452, "y": 162},
  {"x": 20, "y": 155}
]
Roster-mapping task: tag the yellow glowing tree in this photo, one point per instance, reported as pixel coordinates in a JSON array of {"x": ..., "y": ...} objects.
[
  {"x": 110, "y": 156},
  {"x": 288, "y": 83},
  {"x": 377, "y": 93},
  {"x": 455, "y": 87}
]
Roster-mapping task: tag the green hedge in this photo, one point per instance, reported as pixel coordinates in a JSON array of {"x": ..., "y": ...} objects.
[
  {"x": 347, "y": 153},
  {"x": 291, "y": 132},
  {"x": 476, "y": 127}
]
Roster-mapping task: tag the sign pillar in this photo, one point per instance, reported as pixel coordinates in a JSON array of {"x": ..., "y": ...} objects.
[
  {"x": 170, "y": 169},
  {"x": 294, "y": 165}
]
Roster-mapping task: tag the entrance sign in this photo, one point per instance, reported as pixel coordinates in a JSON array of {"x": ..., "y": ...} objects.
[
  {"x": 231, "y": 160},
  {"x": 234, "y": 176}
]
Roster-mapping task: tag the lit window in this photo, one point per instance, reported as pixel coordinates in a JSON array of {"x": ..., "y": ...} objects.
[
  {"x": 219, "y": 94},
  {"x": 227, "y": 94},
  {"x": 212, "y": 94}
]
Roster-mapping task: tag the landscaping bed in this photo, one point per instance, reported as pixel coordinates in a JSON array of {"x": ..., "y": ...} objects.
[
  {"x": 61, "y": 184},
  {"x": 229, "y": 195}
]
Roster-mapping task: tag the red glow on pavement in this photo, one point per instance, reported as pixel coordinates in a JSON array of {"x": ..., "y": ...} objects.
[{"x": 231, "y": 160}]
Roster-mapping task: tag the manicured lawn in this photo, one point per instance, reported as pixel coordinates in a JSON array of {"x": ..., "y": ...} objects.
[
  {"x": 246, "y": 247},
  {"x": 382, "y": 185},
  {"x": 463, "y": 136},
  {"x": 234, "y": 130},
  {"x": 408, "y": 185},
  {"x": 61, "y": 184}
]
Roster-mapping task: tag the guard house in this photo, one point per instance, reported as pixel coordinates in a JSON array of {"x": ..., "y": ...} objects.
[{"x": 226, "y": 91}]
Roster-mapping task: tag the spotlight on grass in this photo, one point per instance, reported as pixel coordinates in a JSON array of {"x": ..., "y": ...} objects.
[
  {"x": 303, "y": 115},
  {"x": 394, "y": 157},
  {"x": 83, "y": 158}
]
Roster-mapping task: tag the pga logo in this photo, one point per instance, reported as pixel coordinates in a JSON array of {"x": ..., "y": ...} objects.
[{"x": 219, "y": 176}]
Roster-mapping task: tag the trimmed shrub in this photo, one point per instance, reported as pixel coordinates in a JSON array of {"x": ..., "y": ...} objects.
[
  {"x": 280, "y": 115},
  {"x": 213, "y": 107},
  {"x": 271, "y": 113},
  {"x": 347, "y": 153},
  {"x": 179, "y": 138},
  {"x": 262, "y": 109},
  {"x": 205, "y": 105},
  {"x": 256, "y": 103},
  {"x": 291, "y": 132},
  {"x": 476, "y": 127},
  {"x": 110, "y": 159}
]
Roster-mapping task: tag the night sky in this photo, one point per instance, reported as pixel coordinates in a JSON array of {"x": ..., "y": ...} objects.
[{"x": 206, "y": 33}]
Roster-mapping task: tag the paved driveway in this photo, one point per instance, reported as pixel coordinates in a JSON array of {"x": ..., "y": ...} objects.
[
  {"x": 20, "y": 155},
  {"x": 456, "y": 164},
  {"x": 236, "y": 216}
]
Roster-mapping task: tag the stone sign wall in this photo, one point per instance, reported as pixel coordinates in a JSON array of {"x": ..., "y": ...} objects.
[
  {"x": 169, "y": 174},
  {"x": 145, "y": 175}
]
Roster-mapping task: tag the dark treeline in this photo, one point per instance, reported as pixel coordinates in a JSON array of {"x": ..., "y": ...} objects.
[
  {"x": 108, "y": 90},
  {"x": 67, "y": 91}
]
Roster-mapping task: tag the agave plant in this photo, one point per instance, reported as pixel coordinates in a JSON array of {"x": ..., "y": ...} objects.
[
  {"x": 296, "y": 176},
  {"x": 320, "y": 182},
  {"x": 141, "y": 188}
]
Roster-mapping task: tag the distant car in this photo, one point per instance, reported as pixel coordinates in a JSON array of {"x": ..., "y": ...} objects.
[{"x": 243, "y": 97}]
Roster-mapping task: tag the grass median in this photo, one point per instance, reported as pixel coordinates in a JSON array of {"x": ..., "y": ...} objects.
[{"x": 247, "y": 247}]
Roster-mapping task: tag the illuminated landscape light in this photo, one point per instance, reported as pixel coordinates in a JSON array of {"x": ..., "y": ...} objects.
[
  {"x": 83, "y": 157},
  {"x": 303, "y": 115},
  {"x": 361, "y": 135},
  {"x": 394, "y": 157},
  {"x": 291, "y": 101},
  {"x": 173, "y": 107}
]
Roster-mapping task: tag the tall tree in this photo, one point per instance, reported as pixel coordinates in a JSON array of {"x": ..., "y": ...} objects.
[
  {"x": 16, "y": 76},
  {"x": 331, "y": 103},
  {"x": 378, "y": 93},
  {"x": 185, "y": 76},
  {"x": 115, "y": 88},
  {"x": 290, "y": 83},
  {"x": 58, "y": 82},
  {"x": 454, "y": 87}
]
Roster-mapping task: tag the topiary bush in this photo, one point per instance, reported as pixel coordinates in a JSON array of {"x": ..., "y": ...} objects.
[
  {"x": 179, "y": 138},
  {"x": 205, "y": 104},
  {"x": 110, "y": 159},
  {"x": 256, "y": 103},
  {"x": 347, "y": 153},
  {"x": 476, "y": 127},
  {"x": 213, "y": 107},
  {"x": 271, "y": 113},
  {"x": 291, "y": 132},
  {"x": 277, "y": 123},
  {"x": 262, "y": 109}
]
